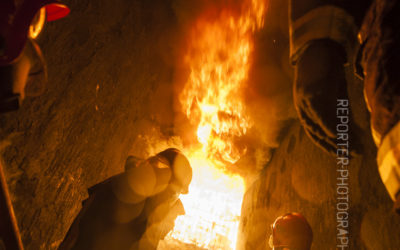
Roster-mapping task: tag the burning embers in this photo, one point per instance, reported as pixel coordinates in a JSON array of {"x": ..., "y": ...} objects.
[{"x": 219, "y": 55}]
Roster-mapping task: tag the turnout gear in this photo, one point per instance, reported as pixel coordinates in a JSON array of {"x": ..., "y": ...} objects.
[
  {"x": 323, "y": 38},
  {"x": 21, "y": 21},
  {"x": 380, "y": 58},
  {"x": 135, "y": 209}
]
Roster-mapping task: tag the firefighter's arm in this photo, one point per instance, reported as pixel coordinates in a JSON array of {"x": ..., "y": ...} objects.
[
  {"x": 323, "y": 38},
  {"x": 388, "y": 160}
]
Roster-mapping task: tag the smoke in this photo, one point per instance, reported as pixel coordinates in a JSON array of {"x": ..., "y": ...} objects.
[{"x": 268, "y": 93}]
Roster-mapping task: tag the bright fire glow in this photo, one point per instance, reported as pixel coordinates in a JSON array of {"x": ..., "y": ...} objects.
[
  {"x": 213, "y": 207},
  {"x": 219, "y": 59}
]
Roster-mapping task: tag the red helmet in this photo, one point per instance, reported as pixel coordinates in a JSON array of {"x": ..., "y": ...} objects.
[
  {"x": 292, "y": 231},
  {"x": 21, "y": 21},
  {"x": 18, "y": 18}
]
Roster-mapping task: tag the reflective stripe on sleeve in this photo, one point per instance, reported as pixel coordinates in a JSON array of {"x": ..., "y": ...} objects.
[{"x": 389, "y": 161}]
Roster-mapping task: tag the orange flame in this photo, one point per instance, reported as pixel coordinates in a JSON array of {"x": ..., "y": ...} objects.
[
  {"x": 219, "y": 59},
  {"x": 213, "y": 208}
]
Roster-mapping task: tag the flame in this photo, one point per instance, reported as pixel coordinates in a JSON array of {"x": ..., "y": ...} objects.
[
  {"x": 219, "y": 60},
  {"x": 213, "y": 207}
]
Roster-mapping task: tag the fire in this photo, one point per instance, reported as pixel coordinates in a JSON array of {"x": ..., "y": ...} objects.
[
  {"x": 213, "y": 208},
  {"x": 219, "y": 58}
]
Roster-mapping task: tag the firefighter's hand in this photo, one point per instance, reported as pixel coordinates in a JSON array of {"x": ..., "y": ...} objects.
[{"x": 319, "y": 83}]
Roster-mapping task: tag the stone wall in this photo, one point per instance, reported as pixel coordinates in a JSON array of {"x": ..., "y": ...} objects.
[
  {"x": 108, "y": 63},
  {"x": 302, "y": 178}
]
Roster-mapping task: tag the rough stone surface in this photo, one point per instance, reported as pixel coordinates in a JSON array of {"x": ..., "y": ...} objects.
[
  {"x": 108, "y": 63},
  {"x": 302, "y": 178}
]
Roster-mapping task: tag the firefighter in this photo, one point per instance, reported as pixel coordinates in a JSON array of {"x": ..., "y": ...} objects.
[
  {"x": 323, "y": 40},
  {"x": 20, "y": 57},
  {"x": 21, "y": 21},
  {"x": 291, "y": 232},
  {"x": 380, "y": 59},
  {"x": 323, "y": 35},
  {"x": 135, "y": 209}
]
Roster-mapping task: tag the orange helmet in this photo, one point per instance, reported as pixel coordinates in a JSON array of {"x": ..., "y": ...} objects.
[{"x": 292, "y": 231}]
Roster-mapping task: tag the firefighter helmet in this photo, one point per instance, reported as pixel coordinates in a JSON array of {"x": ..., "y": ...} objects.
[
  {"x": 181, "y": 169},
  {"x": 291, "y": 231},
  {"x": 21, "y": 20},
  {"x": 21, "y": 60}
]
